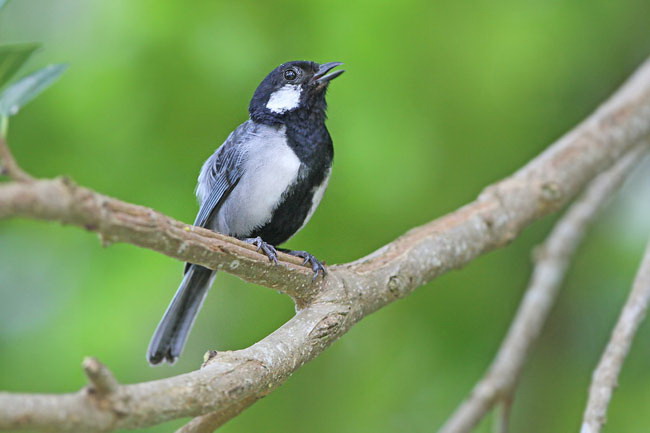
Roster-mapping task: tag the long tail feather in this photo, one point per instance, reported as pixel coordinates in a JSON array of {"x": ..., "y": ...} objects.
[{"x": 172, "y": 331}]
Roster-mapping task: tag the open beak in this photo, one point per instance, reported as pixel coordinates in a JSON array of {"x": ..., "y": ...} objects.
[{"x": 322, "y": 76}]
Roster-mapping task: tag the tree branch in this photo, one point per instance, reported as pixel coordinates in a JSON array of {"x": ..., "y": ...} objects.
[
  {"x": 552, "y": 261},
  {"x": 605, "y": 377},
  {"x": 328, "y": 308},
  {"x": 62, "y": 200}
]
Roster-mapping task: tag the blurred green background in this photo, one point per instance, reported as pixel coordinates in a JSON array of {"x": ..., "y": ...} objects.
[{"x": 440, "y": 99}]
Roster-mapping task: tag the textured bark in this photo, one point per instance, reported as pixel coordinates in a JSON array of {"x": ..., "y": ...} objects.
[
  {"x": 116, "y": 221},
  {"x": 229, "y": 381}
]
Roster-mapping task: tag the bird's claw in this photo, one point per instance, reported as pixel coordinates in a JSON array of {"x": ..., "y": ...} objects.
[
  {"x": 268, "y": 249},
  {"x": 316, "y": 266}
]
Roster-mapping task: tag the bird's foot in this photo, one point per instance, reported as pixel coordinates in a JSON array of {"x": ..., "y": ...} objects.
[
  {"x": 315, "y": 264},
  {"x": 266, "y": 248}
]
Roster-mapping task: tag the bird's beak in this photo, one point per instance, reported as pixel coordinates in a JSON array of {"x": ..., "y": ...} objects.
[{"x": 322, "y": 76}]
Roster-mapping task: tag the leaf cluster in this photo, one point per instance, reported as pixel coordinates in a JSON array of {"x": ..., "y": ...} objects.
[{"x": 14, "y": 95}]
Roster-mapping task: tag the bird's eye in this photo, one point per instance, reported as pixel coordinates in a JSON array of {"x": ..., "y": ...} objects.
[{"x": 290, "y": 74}]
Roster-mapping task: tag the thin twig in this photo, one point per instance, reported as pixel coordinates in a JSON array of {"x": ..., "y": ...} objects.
[
  {"x": 552, "y": 261},
  {"x": 9, "y": 166},
  {"x": 605, "y": 377},
  {"x": 102, "y": 381},
  {"x": 213, "y": 420}
]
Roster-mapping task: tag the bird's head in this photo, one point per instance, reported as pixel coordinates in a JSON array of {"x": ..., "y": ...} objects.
[{"x": 293, "y": 87}]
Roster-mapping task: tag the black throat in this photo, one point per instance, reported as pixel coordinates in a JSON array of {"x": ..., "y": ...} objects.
[{"x": 307, "y": 135}]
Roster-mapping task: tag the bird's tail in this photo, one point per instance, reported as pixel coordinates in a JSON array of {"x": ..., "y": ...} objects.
[{"x": 170, "y": 336}]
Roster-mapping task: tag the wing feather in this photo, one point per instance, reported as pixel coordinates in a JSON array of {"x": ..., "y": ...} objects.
[{"x": 221, "y": 173}]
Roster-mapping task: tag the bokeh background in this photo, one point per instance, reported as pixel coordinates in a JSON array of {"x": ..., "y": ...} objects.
[{"x": 440, "y": 99}]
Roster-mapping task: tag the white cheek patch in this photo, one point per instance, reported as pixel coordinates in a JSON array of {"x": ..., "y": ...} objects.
[{"x": 285, "y": 99}]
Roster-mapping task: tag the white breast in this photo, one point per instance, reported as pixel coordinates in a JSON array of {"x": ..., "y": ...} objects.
[{"x": 270, "y": 168}]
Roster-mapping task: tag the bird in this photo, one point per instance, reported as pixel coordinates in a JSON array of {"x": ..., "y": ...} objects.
[{"x": 262, "y": 185}]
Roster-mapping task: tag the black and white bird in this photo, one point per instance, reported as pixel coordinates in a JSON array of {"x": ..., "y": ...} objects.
[{"x": 261, "y": 185}]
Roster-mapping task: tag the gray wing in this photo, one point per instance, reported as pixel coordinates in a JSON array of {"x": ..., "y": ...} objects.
[{"x": 221, "y": 173}]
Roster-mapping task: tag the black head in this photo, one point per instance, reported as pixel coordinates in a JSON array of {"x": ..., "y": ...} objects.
[{"x": 293, "y": 88}]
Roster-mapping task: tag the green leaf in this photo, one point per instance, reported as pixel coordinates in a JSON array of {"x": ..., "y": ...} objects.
[
  {"x": 3, "y": 2},
  {"x": 27, "y": 88},
  {"x": 12, "y": 57}
]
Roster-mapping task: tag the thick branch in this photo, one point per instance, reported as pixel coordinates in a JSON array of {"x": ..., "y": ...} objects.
[
  {"x": 330, "y": 307},
  {"x": 116, "y": 221},
  {"x": 605, "y": 377},
  {"x": 541, "y": 187},
  {"x": 552, "y": 261}
]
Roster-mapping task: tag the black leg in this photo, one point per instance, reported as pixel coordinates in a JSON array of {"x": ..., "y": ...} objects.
[
  {"x": 266, "y": 248},
  {"x": 315, "y": 264}
]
